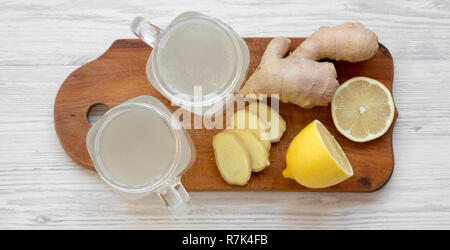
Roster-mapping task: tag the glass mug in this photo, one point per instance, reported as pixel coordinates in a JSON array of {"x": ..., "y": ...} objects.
[
  {"x": 194, "y": 50},
  {"x": 139, "y": 148}
]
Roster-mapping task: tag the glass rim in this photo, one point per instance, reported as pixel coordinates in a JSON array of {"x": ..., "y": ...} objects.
[{"x": 174, "y": 129}]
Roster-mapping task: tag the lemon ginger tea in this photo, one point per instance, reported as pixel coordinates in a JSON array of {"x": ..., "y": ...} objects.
[
  {"x": 196, "y": 61},
  {"x": 196, "y": 53},
  {"x": 138, "y": 148}
]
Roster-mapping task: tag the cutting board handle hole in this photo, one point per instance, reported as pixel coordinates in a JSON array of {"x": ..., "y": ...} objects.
[{"x": 96, "y": 111}]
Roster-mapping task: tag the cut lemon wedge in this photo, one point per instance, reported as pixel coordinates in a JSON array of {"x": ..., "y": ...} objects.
[
  {"x": 315, "y": 159},
  {"x": 362, "y": 109}
]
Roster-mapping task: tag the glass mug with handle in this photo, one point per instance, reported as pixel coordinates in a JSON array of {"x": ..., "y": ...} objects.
[
  {"x": 139, "y": 148},
  {"x": 195, "y": 62}
]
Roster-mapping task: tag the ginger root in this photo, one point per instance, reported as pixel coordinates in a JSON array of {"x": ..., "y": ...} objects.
[{"x": 299, "y": 78}]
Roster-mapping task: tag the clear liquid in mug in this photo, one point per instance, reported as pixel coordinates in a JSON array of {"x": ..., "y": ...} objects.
[
  {"x": 136, "y": 147},
  {"x": 196, "y": 53}
]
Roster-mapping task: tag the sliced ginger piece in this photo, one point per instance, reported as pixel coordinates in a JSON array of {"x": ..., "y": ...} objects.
[
  {"x": 232, "y": 158},
  {"x": 244, "y": 119},
  {"x": 258, "y": 152},
  {"x": 276, "y": 123}
]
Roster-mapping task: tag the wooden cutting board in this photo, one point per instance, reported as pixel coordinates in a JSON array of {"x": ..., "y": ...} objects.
[{"x": 119, "y": 75}]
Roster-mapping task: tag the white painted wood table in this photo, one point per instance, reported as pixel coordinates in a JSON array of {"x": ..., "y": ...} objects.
[{"x": 44, "y": 41}]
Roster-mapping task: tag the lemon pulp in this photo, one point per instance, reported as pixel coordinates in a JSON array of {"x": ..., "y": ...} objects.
[{"x": 362, "y": 109}]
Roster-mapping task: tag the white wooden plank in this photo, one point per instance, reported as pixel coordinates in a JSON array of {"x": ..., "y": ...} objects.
[{"x": 75, "y": 32}]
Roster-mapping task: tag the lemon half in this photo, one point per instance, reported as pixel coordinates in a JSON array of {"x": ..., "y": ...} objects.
[
  {"x": 315, "y": 159},
  {"x": 362, "y": 109}
]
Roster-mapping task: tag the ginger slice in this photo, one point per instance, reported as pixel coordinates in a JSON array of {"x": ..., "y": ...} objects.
[
  {"x": 258, "y": 152},
  {"x": 245, "y": 119},
  {"x": 276, "y": 123},
  {"x": 232, "y": 158}
]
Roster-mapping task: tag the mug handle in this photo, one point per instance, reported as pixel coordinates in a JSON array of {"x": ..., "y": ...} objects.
[
  {"x": 145, "y": 30},
  {"x": 175, "y": 197}
]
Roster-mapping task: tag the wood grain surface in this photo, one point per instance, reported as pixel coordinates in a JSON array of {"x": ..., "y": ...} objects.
[
  {"x": 119, "y": 75},
  {"x": 42, "y": 188}
]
